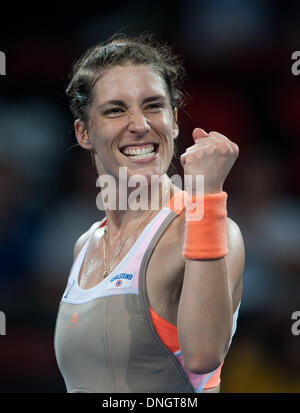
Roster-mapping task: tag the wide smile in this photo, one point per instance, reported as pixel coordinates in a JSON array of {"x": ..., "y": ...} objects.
[{"x": 141, "y": 153}]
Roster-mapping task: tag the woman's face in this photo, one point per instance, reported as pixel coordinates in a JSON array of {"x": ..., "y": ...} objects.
[{"x": 131, "y": 122}]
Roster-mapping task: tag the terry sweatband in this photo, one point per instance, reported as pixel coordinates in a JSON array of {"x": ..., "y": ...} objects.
[{"x": 205, "y": 227}]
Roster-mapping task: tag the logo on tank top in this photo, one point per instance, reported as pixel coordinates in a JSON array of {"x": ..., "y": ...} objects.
[
  {"x": 122, "y": 280},
  {"x": 73, "y": 320}
]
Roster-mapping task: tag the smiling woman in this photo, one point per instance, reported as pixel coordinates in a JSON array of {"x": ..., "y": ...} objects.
[
  {"x": 153, "y": 294},
  {"x": 130, "y": 109},
  {"x": 116, "y": 51}
]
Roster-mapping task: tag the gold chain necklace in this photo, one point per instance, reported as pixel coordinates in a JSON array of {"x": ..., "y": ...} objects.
[{"x": 107, "y": 267}]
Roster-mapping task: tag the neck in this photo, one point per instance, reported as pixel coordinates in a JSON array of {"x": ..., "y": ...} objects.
[{"x": 141, "y": 205}]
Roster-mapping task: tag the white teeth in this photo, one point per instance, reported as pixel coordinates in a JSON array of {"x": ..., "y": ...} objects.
[
  {"x": 142, "y": 156},
  {"x": 139, "y": 151}
]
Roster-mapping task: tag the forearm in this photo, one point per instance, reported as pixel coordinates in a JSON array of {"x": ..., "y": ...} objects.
[
  {"x": 205, "y": 310},
  {"x": 204, "y": 314}
]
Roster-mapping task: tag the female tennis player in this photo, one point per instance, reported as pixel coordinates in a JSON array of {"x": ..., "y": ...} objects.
[{"x": 152, "y": 298}]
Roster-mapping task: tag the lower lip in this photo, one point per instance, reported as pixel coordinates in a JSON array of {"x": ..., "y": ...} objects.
[{"x": 145, "y": 160}]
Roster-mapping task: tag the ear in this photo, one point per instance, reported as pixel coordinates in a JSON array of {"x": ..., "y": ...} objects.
[
  {"x": 81, "y": 135},
  {"x": 175, "y": 124}
]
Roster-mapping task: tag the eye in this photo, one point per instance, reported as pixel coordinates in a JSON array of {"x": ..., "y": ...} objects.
[
  {"x": 154, "y": 106},
  {"x": 113, "y": 111}
]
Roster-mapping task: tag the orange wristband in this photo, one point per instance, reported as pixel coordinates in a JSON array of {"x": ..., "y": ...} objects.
[{"x": 205, "y": 233}]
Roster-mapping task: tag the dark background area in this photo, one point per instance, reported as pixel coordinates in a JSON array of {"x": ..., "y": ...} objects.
[{"x": 239, "y": 80}]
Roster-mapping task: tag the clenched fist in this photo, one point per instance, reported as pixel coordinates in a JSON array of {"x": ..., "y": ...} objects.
[{"x": 212, "y": 156}]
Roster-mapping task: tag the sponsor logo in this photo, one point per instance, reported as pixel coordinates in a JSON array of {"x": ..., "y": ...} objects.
[
  {"x": 122, "y": 280},
  {"x": 73, "y": 322},
  {"x": 122, "y": 276}
]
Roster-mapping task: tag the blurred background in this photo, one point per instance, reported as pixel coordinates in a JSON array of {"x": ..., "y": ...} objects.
[{"x": 239, "y": 80}]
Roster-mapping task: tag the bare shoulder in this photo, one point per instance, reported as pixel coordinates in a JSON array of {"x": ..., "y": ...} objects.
[
  {"x": 83, "y": 238},
  {"x": 235, "y": 242},
  {"x": 235, "y": 259}
]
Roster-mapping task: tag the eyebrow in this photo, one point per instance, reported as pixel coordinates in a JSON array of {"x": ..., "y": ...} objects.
[
  {"x": 153, "y": 98},
  {"x": 122, "y": 103}
]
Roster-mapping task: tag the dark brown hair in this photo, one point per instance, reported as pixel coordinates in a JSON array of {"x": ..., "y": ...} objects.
[{"x": 119, "y": 50}]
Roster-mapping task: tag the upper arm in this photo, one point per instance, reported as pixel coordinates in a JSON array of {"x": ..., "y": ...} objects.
[
  {"x": 235, "y": 261},
  {"x": 82, "y": 240}
]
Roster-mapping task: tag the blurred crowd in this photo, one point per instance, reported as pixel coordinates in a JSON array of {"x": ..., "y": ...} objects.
[{"x": 239, "y": 83}]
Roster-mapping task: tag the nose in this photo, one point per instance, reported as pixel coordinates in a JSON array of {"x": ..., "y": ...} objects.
[{"x": 138, "y": 124}]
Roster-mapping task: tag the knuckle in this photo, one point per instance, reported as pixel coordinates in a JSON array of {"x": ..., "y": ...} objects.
[
  {"x": 213, "y": 133},
  {"x": 218, "y": 136},
  {"x": 205, "y": 148},
  {"x": 210, "y": 149},
  {"x": 224, "y": 147}
]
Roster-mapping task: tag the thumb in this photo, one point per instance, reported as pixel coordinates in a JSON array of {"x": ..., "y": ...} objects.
[{"x": 199, "y": 133}]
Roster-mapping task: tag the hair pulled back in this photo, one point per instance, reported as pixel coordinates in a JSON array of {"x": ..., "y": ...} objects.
[{"x": 120, "y": 50}]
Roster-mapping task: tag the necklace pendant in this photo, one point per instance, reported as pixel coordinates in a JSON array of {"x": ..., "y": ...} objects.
[{"x": 105, "y": 272}]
